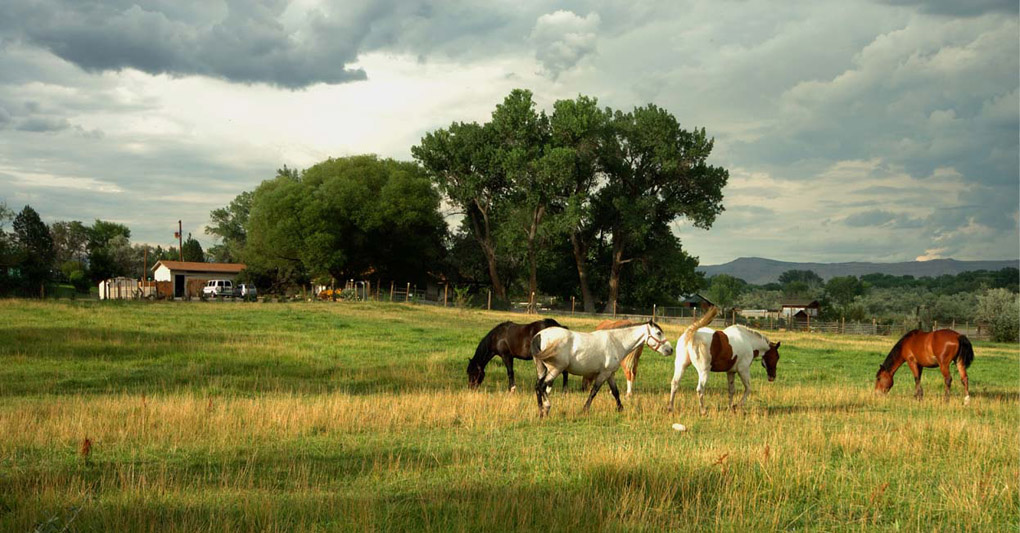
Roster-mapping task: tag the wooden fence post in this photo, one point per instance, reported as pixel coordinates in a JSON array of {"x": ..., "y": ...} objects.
[
  {"x": 531, "y": 304},
  {"x": 446, "y": 290},
  {"x": 614, "y": 309},
  {"x": 392, "y": 287},
  {"x": 572, "y": 300},
  {"x": 489, "y": 305},
  {"x": 653, "y": 312},
  {"x": 935, "y": 325},
  {"x": 842, "y": 325},
  {"x": 407, "y": 295}
]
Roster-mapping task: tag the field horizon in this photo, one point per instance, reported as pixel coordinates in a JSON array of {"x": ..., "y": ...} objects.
[{"x": 356, "y": 416}]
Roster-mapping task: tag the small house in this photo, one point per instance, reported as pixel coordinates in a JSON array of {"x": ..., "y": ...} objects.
[
  {"x": 696, "y": 301},
  {"x": 185, "y": 279},
  {"x": 800, "y": 309}
]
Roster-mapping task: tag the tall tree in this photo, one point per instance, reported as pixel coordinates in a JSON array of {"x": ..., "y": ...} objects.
[
  {"x": 843, "y": 290},
  {"x": 460, "y": 161},
  {"x": 70, "y": 241},
  {"x": 192, "y": 250},
  {"x": 724, "y": 290},
  {"x": 228, "y": 224},
  {"x": 8, "y": 255},
  {"x": 535, "y": 172},
  {"x": 656, "y": 173},
  {"x": 348, "y": 218},
  {"x": 108, "y": 247},
  {"x": 582, "y": 127},
  {"x": 35, "y": 245}
]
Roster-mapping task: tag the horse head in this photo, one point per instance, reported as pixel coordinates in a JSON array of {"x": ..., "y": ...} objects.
[
  {"x": 656, "y": 339},
  {"x": 883, "y": 380},
  {"x": 771, "y": 359},
  {"x": 476, "y": 373}
]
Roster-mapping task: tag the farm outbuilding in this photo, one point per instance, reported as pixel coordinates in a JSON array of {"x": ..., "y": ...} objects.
[
  {"x": 801, "y": 312},
  {"x": 696, "y": 301},
  {"x": 119, "y": 289},
  {"x": 184, "y": 279}
]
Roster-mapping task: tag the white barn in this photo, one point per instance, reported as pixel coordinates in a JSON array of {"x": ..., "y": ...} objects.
[{"x": 181, "y": 272}]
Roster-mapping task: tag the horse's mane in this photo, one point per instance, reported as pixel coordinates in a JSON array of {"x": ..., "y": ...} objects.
[
  {"x": 753, "y": 332},
  {"x": 619, "y": 324},
  {"x": 895, "y": 352},
  {"x": 483, "y": 346}
]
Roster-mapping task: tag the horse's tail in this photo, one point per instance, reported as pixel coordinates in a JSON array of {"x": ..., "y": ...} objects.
[
  {"x": 966, "y": 351},
  {"x": 705, "y": 320},
  {"x": 538, "y": 354}
]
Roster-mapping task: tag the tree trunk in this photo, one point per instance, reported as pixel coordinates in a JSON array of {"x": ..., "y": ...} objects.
[
  {"x": 490, "y": 258},
  {"x": 484, "y": 238},
  {"x": 536, "y": 219},
  {"x": 580, "y": 256},
  {"x": 614, "y": 272}
]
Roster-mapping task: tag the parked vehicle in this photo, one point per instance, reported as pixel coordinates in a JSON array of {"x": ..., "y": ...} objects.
[
  {"x": 248, "y": 292},
  {"x": 219, "y": 288}
]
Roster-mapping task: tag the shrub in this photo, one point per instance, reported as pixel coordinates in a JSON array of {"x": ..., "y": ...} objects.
[{"x": 1000, "y": 309}]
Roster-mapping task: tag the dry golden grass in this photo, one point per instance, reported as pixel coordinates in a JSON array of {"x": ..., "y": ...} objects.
[{"x": 401, "y": 444}]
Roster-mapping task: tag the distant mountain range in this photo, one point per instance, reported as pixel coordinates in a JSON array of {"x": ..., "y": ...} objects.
[{"x": 758, "y": 270}]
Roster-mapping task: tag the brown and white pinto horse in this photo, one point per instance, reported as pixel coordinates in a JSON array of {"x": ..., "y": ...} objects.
[
  {"x": 731, "y": 351},
  {"x": 928, "y": 349}
]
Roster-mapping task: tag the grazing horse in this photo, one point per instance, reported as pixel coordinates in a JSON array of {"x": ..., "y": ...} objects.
[
  {"x": 928, "y": 349},
  {"x": 509, "y": 341},
  {"x": 731, "y": 350},
  {"x": 595, "y": 355},
  {"x": 629, "y": 363}
]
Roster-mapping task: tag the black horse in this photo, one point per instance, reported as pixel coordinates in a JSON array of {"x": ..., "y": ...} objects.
[{"x": 509, "y": 341}]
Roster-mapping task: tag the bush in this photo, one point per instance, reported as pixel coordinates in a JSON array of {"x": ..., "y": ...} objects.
[{"x": 1000, "y": 309}]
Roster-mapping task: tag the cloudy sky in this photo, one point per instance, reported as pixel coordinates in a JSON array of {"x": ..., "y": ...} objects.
[{"x": 853, "y": 131}]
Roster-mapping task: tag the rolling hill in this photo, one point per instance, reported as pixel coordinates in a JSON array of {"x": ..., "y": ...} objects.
[{"x": 758, "y": 270}]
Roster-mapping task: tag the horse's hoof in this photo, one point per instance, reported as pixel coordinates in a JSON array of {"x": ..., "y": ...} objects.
[
  {"x": 513, "y": 389},
  {"x": 966, "y": 400},
  {"x": 619, "y": 409}
]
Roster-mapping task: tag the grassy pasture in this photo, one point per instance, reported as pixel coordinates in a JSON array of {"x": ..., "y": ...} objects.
[{"x": 282, "y": 417}]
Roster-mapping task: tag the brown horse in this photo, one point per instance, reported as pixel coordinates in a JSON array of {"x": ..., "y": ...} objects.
[
  {"x": 928, "y": 349},
  {"x": 629, "y": 363},
  {"x": 509, "y": 341}
]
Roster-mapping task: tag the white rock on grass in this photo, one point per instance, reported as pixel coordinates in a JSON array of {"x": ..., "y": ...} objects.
[{"x": 679, "y": 427}]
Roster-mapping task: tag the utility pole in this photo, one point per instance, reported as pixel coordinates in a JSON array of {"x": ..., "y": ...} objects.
[{"x": 180, "y": 241}]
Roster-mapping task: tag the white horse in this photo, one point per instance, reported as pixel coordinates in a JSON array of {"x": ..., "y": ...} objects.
[
  {"x": 731, "y": 350},
  {"x": 595, "y": 355}
]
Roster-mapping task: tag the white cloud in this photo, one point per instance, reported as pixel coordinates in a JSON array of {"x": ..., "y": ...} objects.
[{"x": 563, "y": 38}]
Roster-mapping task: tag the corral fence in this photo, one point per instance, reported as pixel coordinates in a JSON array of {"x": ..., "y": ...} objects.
[{"x": 681, "y": 316}]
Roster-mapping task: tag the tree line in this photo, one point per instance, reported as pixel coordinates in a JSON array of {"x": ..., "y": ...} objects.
[
  {"x": 989, "y": 297},
  {"x": 35, "y": 255},
  {"x": 576, "y": 203}
]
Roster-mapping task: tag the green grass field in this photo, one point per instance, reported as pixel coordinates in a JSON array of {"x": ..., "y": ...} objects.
[{"x": 318, "y": 416}]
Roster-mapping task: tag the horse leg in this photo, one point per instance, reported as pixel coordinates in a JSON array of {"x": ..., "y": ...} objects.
[
  {"x": 678, "y": 373},
  {"x": 963, "y": 379},
  {"x": 550, "y": 376},
  {"x": 595, "y": 386},
  {"x": 630, "y": 372},
  {"x": 702, "y": 382},
  {"x": 918, "y": 393},
  {"x": 616, "y": 393},
  {"x": 540, "y": 386},
  {"x": 508, "y": 362},
  {"x": 947, "y": 377},
  {"x": 745, "y": 378},
  {"x": 730, "y": 378},
  {"x": 565, "y": 382}
]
